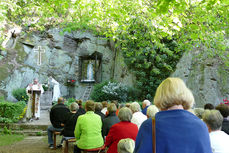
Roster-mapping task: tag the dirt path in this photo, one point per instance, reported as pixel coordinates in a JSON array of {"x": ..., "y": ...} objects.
[{"x": 32, "y": 144}]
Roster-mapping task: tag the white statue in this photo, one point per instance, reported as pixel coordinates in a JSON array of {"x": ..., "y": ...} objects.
[
  {"x": 90, "y": 74},
  {"x": 56, "y": 88}
]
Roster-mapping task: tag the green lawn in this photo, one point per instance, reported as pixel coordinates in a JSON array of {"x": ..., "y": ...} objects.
[{"x": 10, "y": 139}]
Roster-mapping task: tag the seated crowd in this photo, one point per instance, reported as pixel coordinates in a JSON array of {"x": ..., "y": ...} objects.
[{"x": 169, "y": 126}]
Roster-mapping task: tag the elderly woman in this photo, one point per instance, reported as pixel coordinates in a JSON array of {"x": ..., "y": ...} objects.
[
  {"x": 151, "y": 111},
  {"x": 219, "y": 139},
  {"x": 199, "y": 112},
  {"x": 121, "y": 130},
  {"x": 88, "y": 129},
  {"x": 126, "y": 145},
  {"x": 177, "y": 130},
  {"x": 110, "y": 120},
  {"x": 98, "y": 108},
  {"x": 138, "y": 116}
]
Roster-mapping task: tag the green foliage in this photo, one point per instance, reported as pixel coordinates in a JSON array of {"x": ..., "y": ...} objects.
[
  {"x": 153, "y": 63},
  {"x": 133, "y": 94},
  {"x": 111, "y": 90},
  {"x": 97, "y": 94},
  {"x": 69, "y": 101},
  {"x": 6, "y": 131},
  {"x": 45, "y": 87},
  {"x": 10, "y": 112},
  {"x": 20, "y": 94},
  {"x": 38, "y": 133}
]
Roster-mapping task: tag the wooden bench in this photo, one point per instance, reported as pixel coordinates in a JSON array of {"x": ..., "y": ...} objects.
[
  {"x": 95, "y": 150},
  {"x": 55, "y": 133},
  {"x": 67, "y": 140}
]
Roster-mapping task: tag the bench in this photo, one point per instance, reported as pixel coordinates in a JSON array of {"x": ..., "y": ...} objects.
[
  {"x": 55, "y": 133},
  {"x": 94, "y": 150},
  {"x": 67, "y": 141}
]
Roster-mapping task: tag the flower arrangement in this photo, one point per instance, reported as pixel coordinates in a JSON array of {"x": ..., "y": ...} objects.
[
  {"x": 225, "y": 101},
  {"x": 71, "y": 82}
]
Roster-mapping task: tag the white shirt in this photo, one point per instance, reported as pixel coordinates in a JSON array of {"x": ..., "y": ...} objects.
[
  {"x": 104, "y": 110},
  {"x": 138, "y": 118},
  {"x": 219, "y": 142}
]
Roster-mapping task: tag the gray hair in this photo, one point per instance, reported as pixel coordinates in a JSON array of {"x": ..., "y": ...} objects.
[
  {"x": 147, "y": 102},
  {"x": 74, "y": 107},
  {"x": 151, "y": 111},
  {"x": 125, "y": 114},
  {"x": 199, "y": 112},
  {"x": 111, "y": 108},
  {"x": 98, "y": 106},
  {"x": 213, "y": 119},
  {"x": 135, "y": 107},
  {"x": 126, "y": 145}
]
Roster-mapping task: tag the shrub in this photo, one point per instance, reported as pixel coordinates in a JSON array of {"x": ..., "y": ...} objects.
[
  {"x": 20, "y": 94},
  {"x": 69, "y": 101},
  {"x": 10, "y": 112},
  {"x": 97, "y": 93},
  {"x": 45, "y": 87},
  {"x": 114, "y": 91}
]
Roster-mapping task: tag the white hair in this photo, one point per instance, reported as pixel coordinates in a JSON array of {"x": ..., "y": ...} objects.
[
  {"x": 147, "y": 102},
  {"x": 135, "y": 107},
  {"x": 151, "y": 111}
]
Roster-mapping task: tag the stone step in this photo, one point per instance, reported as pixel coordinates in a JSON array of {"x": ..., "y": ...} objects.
[
  {"x": 45, "y": 107},
  {"x": 17, "y": 126},
  {"x": 28, "y": 132}
]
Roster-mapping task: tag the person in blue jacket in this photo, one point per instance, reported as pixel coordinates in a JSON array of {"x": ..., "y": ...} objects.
[{"x": 177, "y": 130}]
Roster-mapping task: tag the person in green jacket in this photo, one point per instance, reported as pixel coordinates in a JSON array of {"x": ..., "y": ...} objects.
[{"x": 88, "y": 129}]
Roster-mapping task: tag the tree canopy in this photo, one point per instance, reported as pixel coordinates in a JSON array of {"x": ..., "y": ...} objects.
[{"x": 190, "y": 21}]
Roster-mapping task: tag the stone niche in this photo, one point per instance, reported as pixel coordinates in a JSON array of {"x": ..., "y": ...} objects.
[
  {"x": 91, "y": 68},
  {"x": 67, "y": 58}
]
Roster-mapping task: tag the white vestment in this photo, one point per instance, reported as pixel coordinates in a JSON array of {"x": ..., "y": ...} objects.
[
  {"x": 36, "y": 107},
  {"x": 56, "y": 89}
]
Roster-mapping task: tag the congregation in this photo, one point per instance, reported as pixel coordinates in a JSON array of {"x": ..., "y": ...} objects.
[{"x": 171, "y": 125}]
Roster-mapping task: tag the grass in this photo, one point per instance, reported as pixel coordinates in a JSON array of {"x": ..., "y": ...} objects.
[{"x": 10, "y": 139}]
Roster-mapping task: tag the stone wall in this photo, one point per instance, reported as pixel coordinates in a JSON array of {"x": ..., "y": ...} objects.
[
  {"x": 207, "y": 77},
  {"x": 60, "y": 60}
]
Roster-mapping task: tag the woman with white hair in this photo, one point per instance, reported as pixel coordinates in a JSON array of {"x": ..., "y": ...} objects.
[
  {"x": 151, "y": 111},
  {"x": 122, "y": 130},
  {"x": 219, "y": 139},
  {"x": 138, "y": 116},
  {"x": 176, "y": 130},
  {"x": 126, "y": 145}
]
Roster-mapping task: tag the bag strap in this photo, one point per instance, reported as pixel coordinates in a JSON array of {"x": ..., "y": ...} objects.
[{"x": 154, "y": 134}]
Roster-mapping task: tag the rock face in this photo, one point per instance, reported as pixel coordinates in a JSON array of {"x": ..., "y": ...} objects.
[
  {"x": 61, "y": 58},
  {"x": 208, "y": 78}
]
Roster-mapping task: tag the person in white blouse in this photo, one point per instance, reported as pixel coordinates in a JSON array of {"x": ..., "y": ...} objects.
[
  {"x": 138, "y": 116},
  {"x": 219, "y": 139}
]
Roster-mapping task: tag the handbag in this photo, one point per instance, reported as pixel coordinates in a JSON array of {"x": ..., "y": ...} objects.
[{"x": 154, "y": 134}]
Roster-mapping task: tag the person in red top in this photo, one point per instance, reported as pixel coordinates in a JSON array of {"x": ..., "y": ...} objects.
[{"x": 123, "y": 129}]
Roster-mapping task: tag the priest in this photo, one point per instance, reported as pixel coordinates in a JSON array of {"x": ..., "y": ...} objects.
[{"x": 34, "y": 91}]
